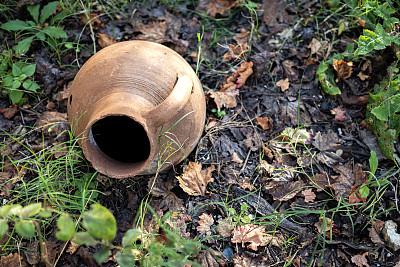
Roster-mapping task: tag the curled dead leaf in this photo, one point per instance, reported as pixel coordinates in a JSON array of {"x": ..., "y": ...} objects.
[
  {"x": 265, "y": 123},
  {"x": 340, "y": 114},
  {"x": 226, "y": 96},
  {"x": 235, "y": 52},
  {"x": 194, "y": 180},
  {"x": 221, "y": 7},
  {"x": 105, "y": 40},
  {"x": 225, "y": 227},
  {"x": 283, "y": 84},
  {"x": 343, "y": 69},
  {"x": 243, "y": 72},
  {"x": 248, "y": 234},
  {"x": 94, "y": 20},
  {"x": 360, "y": 260},
  {"x": 309, "y": 195}
]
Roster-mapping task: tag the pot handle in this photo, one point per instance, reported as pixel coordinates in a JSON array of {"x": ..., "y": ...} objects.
[{"x": 176, "y": 100}]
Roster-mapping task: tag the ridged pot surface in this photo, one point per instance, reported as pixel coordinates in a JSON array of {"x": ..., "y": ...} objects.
[{"x": 136, "y": 107}]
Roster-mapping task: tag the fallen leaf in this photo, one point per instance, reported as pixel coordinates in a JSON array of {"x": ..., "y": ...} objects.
[
  {"x": 340, "y": 114},
  {"x": 13, "y": 260},
  {"x": 242, "y": 38},
  {"x": 205, "y": 222},
  {"x": 283, "y": 84},
  {"x": 265, "y": 123},
  {"x": 206, "y": 259},
  {"x": 375, "y": 236},
  {"x": 355, "y": 196},
  {"x": 354, "y": 99},
  {"x": 9, "y": 112},
  {"x": 246, "y": 184},
  {"x": 154, "y": 31},
  {"x": 243, "y": 72},
  {"x": 235, "y": 158},
  {"x": 225, "y": 97},
  {"x": 221, "y": 7},
  {"x": 32, "y": 253},
  {"x": 72, "y": 247},
  {"x": 275, "y": 240},
  {"x": 94, "y": 20},
  {"x": 342, "y": 255},
  {"x": 283, "y": 191},
  {"x": 317, "y": 48},
  {"x": 363, "y": 76},
  {"x": 160, "y": 188},
  {"x": 194, "y": 180},
  {"x": 297, "y": 136},
  {"x": 52, "y": 123},
  {"x": 235, "y": 52},
  {"x": 105, "y": 40},
  {"x": 309, "y": 195},
  {"x": 249, "y": 234},
  {"x": 225, "y": 227},
  {"x": 327, "y": 226},
  {"x": 290, "y": 70},
  {"x": 343, "y": 69},
  {"x": 265, "y": 167},
  {"x": 360, "y": 260},
  {"x": 326, "y": 142},
  {"x": 178, "y": 221}
]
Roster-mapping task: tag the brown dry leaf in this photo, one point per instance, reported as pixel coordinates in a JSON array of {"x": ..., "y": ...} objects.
[
  {"x": 222, "y": 7},
  {"x": 236, "y": 158},
  {"x": 207, "y": 260},
  {"x": 283, "y": 84},
  {"x": 290, "y": 70},
  {"x": 105, "y": 40},
  {"x": 321, "y": 181},
  {"x": 309, "y": 195},
  {"x": 326, "y": 142},
  {"x": 154, "y": 31},
  {"x": 375, "y": 236},
  {"x": 363, "y": 76},
  {"x": 32, "y": 253},
  {"x": 243, "y": 72},
  {"x": 160, "y": 188},
  {"x": 226, "y": 96},
  {"x": 265, "y": 167},
  {"x": 326, "y": 225},
  {"x": 242, "y": 38},
  {"x": 6, "y": 183},
  {"x": 360, "y": 260},
  {"x": 246, "y": 184},
  {"x": 378, "y": 225},
  {"x": 205, "y": 223},
  {"x": 343, "y": 69},
  {"x": 249, "y": 234},
  {"x": 225, "y": 227},
  {"x": 52, "y": 123},
  {"x": 72, "y": 247},
  {"x": 318, "y": 48},
  {"x": 361, "y": 22},
  {"x": 94, "y": 20},
  {"x": 235, "y": 52},
  {"x": 194, "y": 180},
  {"x": 275, "y": 240},
  {"x": 50, "y": 250},
  {"x": 340, "y": 114},
  {"x": 265, "y": 123},
  {"x": 178, "y": 221},
  {"x": 13, "y": 260},
  {"x": 62, "y": 96},
  {"x": 283, "y": 191},
  {"x": 342, "y": 255},
  {"x": 9, "y": 112}
]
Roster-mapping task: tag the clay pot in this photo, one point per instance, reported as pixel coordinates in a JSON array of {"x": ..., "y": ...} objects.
[{"x": 136, "y": 107}]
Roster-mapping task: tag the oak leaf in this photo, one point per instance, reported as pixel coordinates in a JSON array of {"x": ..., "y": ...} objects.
[
  {"x": 340, "y": 114},
  {"x": 226, "y": 96},
  {"x": 205, "y": 223},
  {"x": 249, "y": 234},
  {"x": 343, "y": 69},
  {"x": 283, "y": 84},
  {"x": 309, "y": 195},
  {"x": 360, "y": 260},
  {"x": 225, "y": 227},
  {"x": 375, "y": 236},
  {"x": 194, "y": 180}
]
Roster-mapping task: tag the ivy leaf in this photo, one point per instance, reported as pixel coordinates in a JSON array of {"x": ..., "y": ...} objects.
[
  {"x": 30, "y": 210},
  {"x": 47, "y": 11},
  {"x": 15, "y": 25},
  {"x": 100, "y": 222},
  {"x": 102, "y": 255},
  {"x": 25, "y": 228},
  {"x": 66, "y": 226}
]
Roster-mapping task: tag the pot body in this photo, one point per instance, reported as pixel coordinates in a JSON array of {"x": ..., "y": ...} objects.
[{"x": 136, "y": 107}]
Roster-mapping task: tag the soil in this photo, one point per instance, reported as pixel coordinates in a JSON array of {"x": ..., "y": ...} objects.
[{"x": 245, "y": 145}]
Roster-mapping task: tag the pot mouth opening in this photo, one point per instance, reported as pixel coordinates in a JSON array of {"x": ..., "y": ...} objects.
[{"x": 121, "y": 139}]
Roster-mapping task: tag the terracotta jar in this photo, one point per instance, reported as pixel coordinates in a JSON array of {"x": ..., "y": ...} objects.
[{"x": 136, "y": 107}]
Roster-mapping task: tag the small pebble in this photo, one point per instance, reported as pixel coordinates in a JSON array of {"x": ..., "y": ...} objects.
[{"x": 228, "y": 252}]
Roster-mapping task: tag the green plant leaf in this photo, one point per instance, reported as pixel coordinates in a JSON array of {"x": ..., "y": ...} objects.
[
  {"x": 45, "y": 213},
  {"x": 16, "y": 71},
  {"x": 127, "y": 259},
  {"x": 326, "y": 79},
  {"x": 381, "y": 112},
  {"x": 16, "y": 84},
  {"x": 83, "y": 238},
  {"x": 34, "y": 11},
  {"x": 47, "y": 11},
  {"x": 15, "y": 25},
  {"x": 4, "y": 210},
  {"x": 100, "y": 222},
  {"x": 23, "y": 46},
  {"x": 14, "y": 210},
  {"x": 55, "y": 32},
  {"x": 30, "y": 85},
  {"x": 41, "y": 36},
  {"x": 67, "y": 228},
  {"x": 15, "y": 96},
  {"x": 25, "y": 228},
  {"x": 373, "y": 162},
  {"x": 102, "y": 255},
  {"x": 7, "y": 81},
  {"x": 130, "y": 237},
  {"x": 30, "y": 210},
  {"x": 29, "y": 69},
  {"x": 3, "y": 227},
  {"x": 364, "y": 191}
]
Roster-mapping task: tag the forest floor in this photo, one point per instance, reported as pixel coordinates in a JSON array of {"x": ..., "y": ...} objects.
[{"x": 280, "y": 174}]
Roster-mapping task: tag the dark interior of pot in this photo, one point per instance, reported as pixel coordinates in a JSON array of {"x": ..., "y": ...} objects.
[{"x": 122, "y": 139}]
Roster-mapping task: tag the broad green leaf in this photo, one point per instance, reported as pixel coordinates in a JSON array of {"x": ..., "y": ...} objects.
[
  {"x": 15, "y": 96},
  {"x": 3, "y": 227},
  {"x": 16, "y": 71},
  {"x": 373, "y": 162},
  {"x": 30, "y": 210},
  {"x": 15, "y": 210},
  {"x": 45, "y": 214},
  {"x": 15, "y": 25},
  {"x": 41, "y": 36},
  {"x": 67, "y": 228},
  {"x": 25, "y": 228},
  {"x": 55, "y": 32},
  {"x": 29, "y": 69},
  {"x": 30, "y": 85},
  {"x": 34, "y": 11},
  {"x": 16, "y": 84},
  {"x": 102, "y": 255},
  {"x": 83, "y": 238},
  {"x": 364, "y": 191},
  {"x": 130, "y": 237},
  {"x": 127, "y": 259},
  {"x": 23, "y": 46},
  {"x": 381, "y": 112},
  {"x": 7, "y": 81},
  {"x": 47, "y": 11},
  {"x": 100, "y": 223},
  {"x": 5, "y": 210}
]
